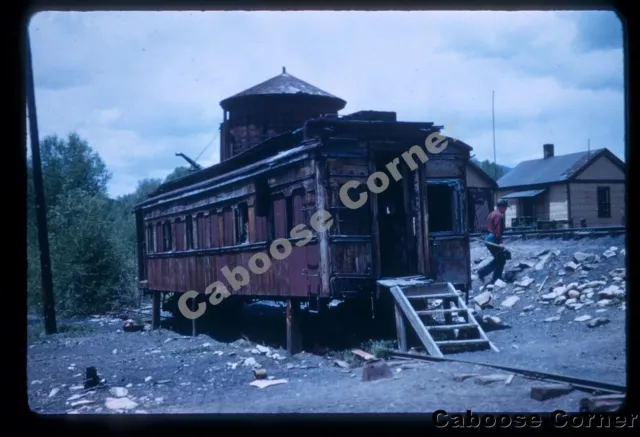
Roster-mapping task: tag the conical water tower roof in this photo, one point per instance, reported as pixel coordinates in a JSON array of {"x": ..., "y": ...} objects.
[{"x": 284, "y": 84}]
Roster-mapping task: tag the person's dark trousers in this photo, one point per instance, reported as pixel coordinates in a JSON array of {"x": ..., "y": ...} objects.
[{"x": 497, "y": 264}]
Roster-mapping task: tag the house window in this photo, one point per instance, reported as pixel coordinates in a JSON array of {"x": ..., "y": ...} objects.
[
  {"x": 242, "y": 223},
  {"x": 442, "y": 204},
  {"x": 189, "y": 231},
  {"x": 166, "y": 236},
  {"x": 604, "y": 202}
]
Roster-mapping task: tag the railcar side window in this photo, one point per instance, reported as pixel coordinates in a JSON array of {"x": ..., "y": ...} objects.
[
  {"x": 151, "y": 246},
  {"x": 189, "y": 231},
  {"x": 263, "y": 197},
  {"x": 166, "y": 234},
  {"x": 242, "y": 223},
  {"x": 442, "y": 203}
]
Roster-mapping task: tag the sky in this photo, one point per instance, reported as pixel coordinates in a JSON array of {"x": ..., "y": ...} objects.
[{"x": 142, "y": 86}]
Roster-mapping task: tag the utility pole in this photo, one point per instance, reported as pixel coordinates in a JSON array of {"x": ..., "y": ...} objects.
[
  {"x": 493, "y": 121},
  {"x": 41, "y": 211}
]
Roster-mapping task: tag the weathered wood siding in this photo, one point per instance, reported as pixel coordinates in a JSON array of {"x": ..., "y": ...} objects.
[
  {"x": 584, "y": 203},
  {"x": 602, "y": 168},
  {"x": 350, "y": 235},
  {"x": 216, "y": 241},
  {"x": 558, "y": 203},
  {"x": 474, "y": 180}
]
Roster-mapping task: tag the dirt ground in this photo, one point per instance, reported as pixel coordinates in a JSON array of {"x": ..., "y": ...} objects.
[{"x": 165, "y": 372}]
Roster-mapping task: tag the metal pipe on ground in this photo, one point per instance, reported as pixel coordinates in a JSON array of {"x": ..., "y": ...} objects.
[{"x": 579, "y": 384}]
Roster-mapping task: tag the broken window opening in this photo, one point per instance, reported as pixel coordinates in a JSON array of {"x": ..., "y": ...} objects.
[
  {"x": 167, "y": 237},
  {"x": 262, "y": 197},
  {"x": 241, "y": 212},
  {"x": 604, "y": 202},
  {"x": 189, "y": 231},
  {"x": 354, "y": 221},
  {"x": 151, "y": 247},
  {"x": 442, "y": 203}
]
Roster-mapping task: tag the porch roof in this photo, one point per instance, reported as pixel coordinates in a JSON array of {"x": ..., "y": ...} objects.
[{"x": 524, "y": 194}]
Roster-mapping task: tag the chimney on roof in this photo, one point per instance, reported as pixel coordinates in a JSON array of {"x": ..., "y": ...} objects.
[{"x": 548, "y": 151}]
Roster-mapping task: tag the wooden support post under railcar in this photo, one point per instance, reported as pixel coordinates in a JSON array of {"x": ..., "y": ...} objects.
[
  {"x": 193, "y": 321},
  {"x": 155, "y": 309},
  {"x": 294, "y": 336}
]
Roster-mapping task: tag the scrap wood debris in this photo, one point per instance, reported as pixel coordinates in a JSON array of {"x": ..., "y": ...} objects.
[
  {"x": 264, "y": 383},
  {"x": 602, "y": 404},
  {"x": 364, "y": 355}
]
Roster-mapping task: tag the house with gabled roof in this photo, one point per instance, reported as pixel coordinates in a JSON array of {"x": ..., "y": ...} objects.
[
  {"x": 578, "y": 189},
  {"x": 481, "y": 189}
]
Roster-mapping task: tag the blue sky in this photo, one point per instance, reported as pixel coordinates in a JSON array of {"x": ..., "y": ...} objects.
[{"x": 141, "y": 86}]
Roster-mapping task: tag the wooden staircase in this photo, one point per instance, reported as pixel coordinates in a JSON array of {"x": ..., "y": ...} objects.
[{"x": 437, "y": 313}]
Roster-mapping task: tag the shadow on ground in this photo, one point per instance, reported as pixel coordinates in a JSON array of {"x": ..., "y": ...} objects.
[{"x": 336, "y": 328}]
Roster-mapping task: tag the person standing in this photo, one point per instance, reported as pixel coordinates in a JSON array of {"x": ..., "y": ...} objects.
[{"x": 495, "y": 227}]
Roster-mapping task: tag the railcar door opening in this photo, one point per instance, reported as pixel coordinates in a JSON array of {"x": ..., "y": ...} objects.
[
  {"x": 448, "y": 231},
  {"x": 397, "y": 241}
]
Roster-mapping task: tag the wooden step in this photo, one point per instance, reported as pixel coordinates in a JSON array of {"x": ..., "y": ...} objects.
[
  {"x": 464, "y": 344},
  {"x": 432, "y": 296},
  {"x": 405, "y": 311},
  {"x": 452, "y": 327},
  {"x": 438, "y": 311}
]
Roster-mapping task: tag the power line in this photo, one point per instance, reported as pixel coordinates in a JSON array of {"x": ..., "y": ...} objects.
[{"x": 215, "y": 136}]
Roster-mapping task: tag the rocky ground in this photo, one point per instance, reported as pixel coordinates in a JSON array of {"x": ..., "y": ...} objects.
[
  {"x": 565, "y": 308},
  {"x": 165, "y": 372}
]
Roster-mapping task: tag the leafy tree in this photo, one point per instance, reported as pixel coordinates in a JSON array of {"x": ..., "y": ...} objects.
[
  {"x": 92, "y": 238},
  {"x": 494, "y": 170},
  {"x": 178, "y": 173},
  {"x": 90, "y": 263}
]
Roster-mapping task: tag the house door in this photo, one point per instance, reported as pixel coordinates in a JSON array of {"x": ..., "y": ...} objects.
[{"x": 448, "y": 232}]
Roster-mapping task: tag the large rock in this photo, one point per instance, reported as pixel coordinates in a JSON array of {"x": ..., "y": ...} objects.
[
  {"x": 610, "y": 292},
  {"x": 574, "y": 294},
  {"x": 570, "y": 302},
  {"x": 524, "y": 282},
  {"x": 604, "y": 303},
  {"x": 571, "y": 266},
  {"x": 510, "y": 301},
  {"x": 559, "y": 300},
  {"x": 120, "y": 404},
  {"x": 483, "y": 299},
  {"x": 581, "y": 257},
  {"x": 618, "y": 273},
  {"x": 598, "y": 321}
]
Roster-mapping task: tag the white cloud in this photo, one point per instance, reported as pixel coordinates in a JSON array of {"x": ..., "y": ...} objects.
[{"x": 142, "y": 86}]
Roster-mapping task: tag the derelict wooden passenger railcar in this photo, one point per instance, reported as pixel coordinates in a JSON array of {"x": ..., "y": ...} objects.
[
  {"x": 274, "y": 176},
  {"x": 190, "y": 231}
]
